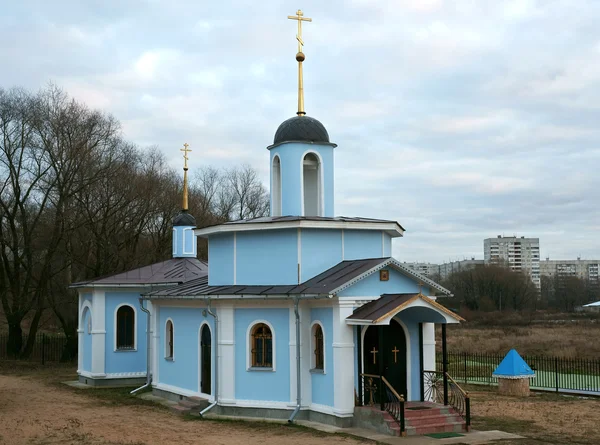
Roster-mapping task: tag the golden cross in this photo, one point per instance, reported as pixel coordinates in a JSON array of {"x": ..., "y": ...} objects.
[
  {"x": 300, "y": 17},
  {"x": 395, "y": 351},
  {"x": 185, "y": 151},
  {"x": 420, "y": 287},
  {"x": 374, "y": 352}
]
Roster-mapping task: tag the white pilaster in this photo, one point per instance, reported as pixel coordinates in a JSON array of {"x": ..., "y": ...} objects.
[
  {"x": 343, "y": 357},
  {"x": 292, "y": 330},
  {"x": 150, "y": 335},
  {"x": 226, "y": 354},
  {"x": 428, "y": 346},
  {"x": 98, "y": 333},
  {"x": 80, "y": 337},
  {"x": 155, "y": 340}
]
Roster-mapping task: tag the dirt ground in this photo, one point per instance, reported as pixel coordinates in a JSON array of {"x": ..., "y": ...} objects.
[
  {"x": 38, "y": 411},
  {"x": 543, "y": 418}
]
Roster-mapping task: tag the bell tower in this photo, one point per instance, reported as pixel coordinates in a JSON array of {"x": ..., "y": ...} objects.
[
  {"x": 302, "y": 158},
  {"x": 184, "y": 240}
]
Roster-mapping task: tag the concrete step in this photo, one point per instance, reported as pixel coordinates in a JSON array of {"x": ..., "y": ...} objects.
[
  {"x": 428, "y": 420},
  {"x": 180, "y": 409},
  {"x": 409, "y": 414}
]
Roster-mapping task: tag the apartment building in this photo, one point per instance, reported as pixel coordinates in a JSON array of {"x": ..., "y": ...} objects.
[
  {"x": 447, "y": 269},
  {"x": 584, "y": 269},
  {"x": 427, "y": 269},
  {"x": 519, "y": 253}
]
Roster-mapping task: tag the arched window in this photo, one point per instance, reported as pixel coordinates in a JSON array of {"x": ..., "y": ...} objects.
[
  {"x": 318, "y": 357},
  {"x": 262, "y": 346},
  {"x": 276, "y": 190},
  {"x": 311, "y": 180},
  {"x": 169, "y": 340},
  {"x": 125, "y": 328}
]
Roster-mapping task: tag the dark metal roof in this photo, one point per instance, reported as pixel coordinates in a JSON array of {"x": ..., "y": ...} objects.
[
  {"x": 276, "y": 219},
  {"x": 376, "y": 309},
  {"x": 301, "y": 129},
  {"x": 172, "y": 271},
  {"x": 322, "y": 284},
  {"x": 390, "y": 304},
  {"x": 184, "y": 219}
]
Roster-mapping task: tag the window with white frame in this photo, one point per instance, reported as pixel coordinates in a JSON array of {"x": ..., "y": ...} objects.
[
  {"x": 169, "y": 340},
  {"x": 317, "y": 361},
  {"x": 125, "y": 328},
  {"x": 261, "y": 346}
]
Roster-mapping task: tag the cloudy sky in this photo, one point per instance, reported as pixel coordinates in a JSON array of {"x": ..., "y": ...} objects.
[{"x": 460, "y": 119}]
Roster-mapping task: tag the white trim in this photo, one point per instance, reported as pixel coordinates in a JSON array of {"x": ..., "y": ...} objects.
[
  {"x": 187, "y": 252},
  {"x": 320, "y": 185},
  {"x": 299, "y": 236},
  {"x": 91, "y": 375},
  {"x": 166, "y": 344},
  {"x": 135, "y": 327},
  {"x": 392, "y": 228},
  {"x": 324, "y": 409},
  {"x": 200, "y": 358},
  {"x": 174, "y": 241},
  {"x": 363, "y": 331},
  {"x": 313, "y": 345},
  {"x": 249, "y": 344},
  {"x": 86, "y": 303},
  {"x": 234, "y": 258},
  {"x": 264, "y": 404}
]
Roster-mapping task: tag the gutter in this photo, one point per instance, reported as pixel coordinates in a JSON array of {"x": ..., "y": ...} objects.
[
  {"x": 298, "y": 376},
  {"x": 148, "y": 358},
  {"x": 216, "y": 380}
]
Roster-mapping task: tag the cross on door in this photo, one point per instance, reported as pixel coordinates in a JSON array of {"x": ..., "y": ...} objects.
[
  {"x": 395, "y": 351},
  {"x": 374, "y": 352}
]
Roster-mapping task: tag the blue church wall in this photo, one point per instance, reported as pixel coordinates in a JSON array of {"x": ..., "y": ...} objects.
[
  {"x": 322, "y": 383},
  {"x": 291, "y": 155},
  {"x": 183, "y": 370},
  {"x": 321, "y": 250},
  {"x": 262, "y": 384},
  {"x": 359, "y": 244},
  {"x": 267, "y": 257},
  {"x": 398, "y": 283},
  {"x": 125, "y": 360},
  {"x": 387, "y": 245},
  {"x": 220, "y": 253},
  {"x": 87, "y": 341}
]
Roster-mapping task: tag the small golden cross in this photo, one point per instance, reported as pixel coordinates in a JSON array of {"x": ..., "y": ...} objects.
[
  {"x": 395, "y": 351},
  {"x": 374, "y": 352},
  {"x": 299, "y": 16},
  {"x": 185, "y": 151},
  {"x": 420, "y": 287}
]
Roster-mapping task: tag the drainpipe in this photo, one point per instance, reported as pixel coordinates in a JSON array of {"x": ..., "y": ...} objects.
[
  {"x": 298, "y": 376},
  {"x": 148, "y": 374},
  {"x": 212, "y": 405}
]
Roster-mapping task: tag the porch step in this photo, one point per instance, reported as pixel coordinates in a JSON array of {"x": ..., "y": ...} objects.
[{"x": 431, "y": 419}]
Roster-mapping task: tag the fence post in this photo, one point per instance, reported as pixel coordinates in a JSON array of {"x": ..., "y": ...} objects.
[
  {"x": 468, "y": 412},
  {"x": 556, "y": 372},
  {"x": 43, "y": 349},
  {"x": 465, "y": 368}
]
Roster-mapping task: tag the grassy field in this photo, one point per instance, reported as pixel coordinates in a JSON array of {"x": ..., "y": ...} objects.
[{"x": 562, "y": 335}]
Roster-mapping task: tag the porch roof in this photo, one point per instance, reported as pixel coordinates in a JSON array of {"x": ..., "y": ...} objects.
[{"x": 382, "y": 310}]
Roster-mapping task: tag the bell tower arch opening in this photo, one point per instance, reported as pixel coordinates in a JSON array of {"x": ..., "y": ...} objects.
[
  {"x": 276, "y": 186},
  {"x": 312, "y": 187}
]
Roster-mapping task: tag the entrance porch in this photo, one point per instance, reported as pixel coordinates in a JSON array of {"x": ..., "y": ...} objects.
[{"x": 396, "y": 374}]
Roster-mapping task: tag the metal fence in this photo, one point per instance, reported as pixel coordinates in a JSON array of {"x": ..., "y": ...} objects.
[
  {"x": 579, "y": 376},
  {"x": 47, "y": 347}
]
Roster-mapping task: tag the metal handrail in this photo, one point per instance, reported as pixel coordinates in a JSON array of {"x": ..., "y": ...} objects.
[
  {"x": 391, "y": 388},
  {"x": 393, "y": 403}
]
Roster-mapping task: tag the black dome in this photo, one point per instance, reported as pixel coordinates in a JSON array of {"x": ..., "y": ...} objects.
[
  {"x": 184, "y": 219},
  {"x": 301, "y": 128}
]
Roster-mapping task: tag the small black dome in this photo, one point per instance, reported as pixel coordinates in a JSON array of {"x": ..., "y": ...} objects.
[
  {"x": 301, "y": 128},
  {"x": 184, "y": 219}
]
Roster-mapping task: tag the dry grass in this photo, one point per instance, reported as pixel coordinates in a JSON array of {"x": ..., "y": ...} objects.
[{"x": 498, "y": 333}]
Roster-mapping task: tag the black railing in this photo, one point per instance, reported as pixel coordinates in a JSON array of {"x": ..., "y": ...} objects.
[
  {"x": 377, "y": 391},
  {"x": 457, "y": 398},
  {"x": 580, "y": 376},
  {"x": 47, "y": 348}
]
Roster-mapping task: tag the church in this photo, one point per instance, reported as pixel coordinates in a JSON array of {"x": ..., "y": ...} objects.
[{"x": 290, "y": 314}]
